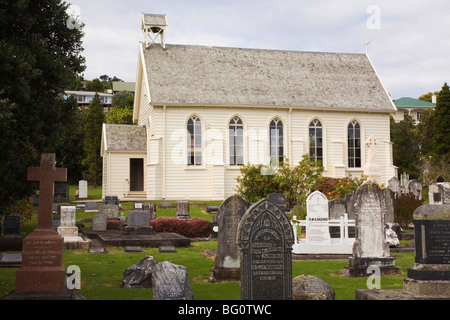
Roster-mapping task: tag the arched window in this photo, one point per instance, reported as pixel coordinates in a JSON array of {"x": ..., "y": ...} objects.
[
  {"x": 194, "y": 141},
  {"x": 276, "y": 142},
  {"x": 236, "y": 145},
  {"x": 315, "y": 141},
  {"x": 354, "y": 145}
]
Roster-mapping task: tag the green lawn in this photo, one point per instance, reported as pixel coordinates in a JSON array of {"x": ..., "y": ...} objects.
[{"x": 101, "y": 274}]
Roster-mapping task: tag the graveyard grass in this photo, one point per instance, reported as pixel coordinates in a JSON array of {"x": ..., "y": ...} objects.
[{"x": 101, "y": 274}]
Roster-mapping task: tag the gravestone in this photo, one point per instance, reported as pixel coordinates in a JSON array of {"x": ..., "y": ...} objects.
[
  {"x": 336, "y": 209},
  {"x": 227, "y": 262},
  {"x": 389, "y": 197},
  {"x": 265, "y": 238},
  {"x": 415, "y": 187},
  {"x": 440, "y": 179},
  {"x": 61, "y": 193},
  {"x": 138, "y": 222},
  {"x": 11, "y": 226},
  {"x": 165, "y": 204},
  {"x": 10, "y": 239},
  {"x": 394, "y": 185},
  {"x": 171, "y": 282},
  {"x": 99, "y": 222},
  {"x": 307, "y": 287},
  {"x": 91, "y": 207},
  {"x": 183, "y": 210},
  {"x": 151, "y": 209},
  {"x": 111, "y": 200},
  {"x": 430, "y": 274},
  {"x": 139, "y": 275},
  {"x": 280, "y": 200},
  {"x": 42, "y": 270},
  {"x": 317, "y": 230},
  {"x": 67, "y": 228},
  {"x": 370, "y": 247},
  {"x": 111, "y": 211},
  {"x": 82, "y": 189}
]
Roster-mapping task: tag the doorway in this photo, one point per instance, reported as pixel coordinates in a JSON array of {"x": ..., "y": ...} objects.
[{"x": 136, "y": 174}]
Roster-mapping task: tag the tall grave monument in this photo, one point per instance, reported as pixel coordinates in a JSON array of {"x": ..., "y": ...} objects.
[
  {"x": 265, "y": 238},
  {"x": 370, "y": 247},
  {"x": 228, "y": 257},
  {"x": 42, "y": 270}
]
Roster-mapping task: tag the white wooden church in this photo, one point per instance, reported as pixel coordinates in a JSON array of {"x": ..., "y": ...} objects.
[{"x": 203, "y": 112}]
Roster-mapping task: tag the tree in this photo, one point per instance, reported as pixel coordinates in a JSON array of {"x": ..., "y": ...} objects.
[
  {"x": 92, "y": 141},
  {"x": 406, "y": 149},
  {"x": 39, "y": 57},
  {"x": 441, "y": 138},
  {"x": 122, "y": 108}
]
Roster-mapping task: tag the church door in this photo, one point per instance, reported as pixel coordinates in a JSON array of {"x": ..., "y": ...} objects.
[{"x": 136, "y": 174}]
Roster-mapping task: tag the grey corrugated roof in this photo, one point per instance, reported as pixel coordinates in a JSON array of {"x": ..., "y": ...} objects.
[
  {"x": 199, "y": 75},
  {"x": 120, "y": 137}
]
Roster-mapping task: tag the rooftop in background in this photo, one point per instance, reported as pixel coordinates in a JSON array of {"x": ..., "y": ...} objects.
[
  {"x": 411, "y": 102},
  {"x": 123, "y": 86}
]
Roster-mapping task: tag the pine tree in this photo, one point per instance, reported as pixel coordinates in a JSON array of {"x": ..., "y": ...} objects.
[
  {"x": 441, "y": 141},
  {"x": 92, "y": 141}
]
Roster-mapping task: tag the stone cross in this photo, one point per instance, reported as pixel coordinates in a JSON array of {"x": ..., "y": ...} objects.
[{"x": 47, "y": 174}]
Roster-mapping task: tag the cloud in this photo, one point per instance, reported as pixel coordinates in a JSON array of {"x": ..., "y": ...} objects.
[{"x": 409, "y": 46}]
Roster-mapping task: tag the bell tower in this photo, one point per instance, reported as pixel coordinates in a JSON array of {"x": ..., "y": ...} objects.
[{"x": 154, "y": 27}]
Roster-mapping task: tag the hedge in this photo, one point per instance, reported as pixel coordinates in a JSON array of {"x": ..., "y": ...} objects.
[{"x": 193, "y": 228}]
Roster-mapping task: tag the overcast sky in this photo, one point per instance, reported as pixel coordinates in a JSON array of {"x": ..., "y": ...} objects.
[{"x": 409, "y": 40}]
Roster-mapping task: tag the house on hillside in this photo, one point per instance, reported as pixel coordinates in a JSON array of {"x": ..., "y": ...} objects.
[
  {"x": 203, "y": 112},
  {"x": 412, "y": 107}
]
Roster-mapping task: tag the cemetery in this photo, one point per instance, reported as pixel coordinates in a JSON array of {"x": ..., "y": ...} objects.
[
  {"x": 150, "y": 223},
  {"x": 260, "y": 251}
]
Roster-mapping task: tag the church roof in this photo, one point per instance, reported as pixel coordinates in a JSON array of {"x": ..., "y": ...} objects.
[
  {"x": 120, "y": 137},
  {"x": 217, "y": 76}
]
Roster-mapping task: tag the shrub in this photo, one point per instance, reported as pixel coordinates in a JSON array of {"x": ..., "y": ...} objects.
[
  {"x": 338, "y": 188},
  {"x": 255, "y": 182},
  {"x": 405, "y": 204},
  {"x": 193, "y": 228}
]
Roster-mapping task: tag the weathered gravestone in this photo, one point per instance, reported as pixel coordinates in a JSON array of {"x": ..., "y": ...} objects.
[
  {"x": 139, "y": 275},
  {"x": 280, "y": 200},
  {"x": 183, "y": 210},
  {"x": 317, "y": 229},
  {"x": 61, "y": 193},
  {"x": 394, "y": 185},
  {"x": 91, "y": 207},
  {"x": 139, "y": 222},
  {"x": 370, "y": 247},
  {"x": 227, "y": 262},
  {"x": 67, "y": 227},
  {"x": 111, "y": 211},
  {"x": 414, "y": 187},
  {"x": 429, "y": 277},
  {"x": 171, "y": 282},
  {"x": 99, "y": 222},
  {"x": 436, "y": 193},
  {"x": 307, "y": 287},
  {"x": 265, "y": 238},
  {"x": 111, "y": 200},
  {"x": 82, "y": 189},
  {"x": 42, "y": 270}
]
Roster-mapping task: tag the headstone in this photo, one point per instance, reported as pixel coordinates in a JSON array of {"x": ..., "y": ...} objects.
[
  {"x": 171, "y": 282},
  {"x": 307, "y": 287},
  {"x": 139, "y": 275},
  {"x": 436, "y": 193},
  {"x": 317, "y": 229},
  {"x": 212, "y": 209},
  {"x": 165, "y": 204},
  {"x": 370, "y": 247},
  {"x": 111, "y": 211},
  {"x": 151, "y": 209},
  {"x": 279, "y": 199},
  {"x": 111, "y": 200},
  {"x": 336, "y": 209},
  {"x": 394, "y": 185},
  {"x": 42, "y": 269},
  {"x": 430, "y": 275},
  {"x": 227, "y": 262},
  {"x": 167, "y": 249},
  {"x": 11, "y": 226},
  {"x": 138, "y": 218},
  {"x": 91, "y": 207},
  {"x": 61, "y": 193},
  {"x": 265, "y": 238},
  {"x": 389, "y": 197},
  {"x": 67, "y": 228},
  {"x": 183, "y": 210},
  {"x": 440, "y": 179},
  {"x": 415, "y": 187},
  {"x": 446, "y": 193},
  {"x": 99, "y": 222},
  {"x": 82, "y": 189}
]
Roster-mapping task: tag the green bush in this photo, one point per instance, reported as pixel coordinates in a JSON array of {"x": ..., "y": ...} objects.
[
  {"x": 256, "y": 182},
  {"x": 405, "y": 204}
]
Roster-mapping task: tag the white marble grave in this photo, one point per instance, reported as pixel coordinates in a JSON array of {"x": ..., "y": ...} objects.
[{"x": 317, "y": 223}]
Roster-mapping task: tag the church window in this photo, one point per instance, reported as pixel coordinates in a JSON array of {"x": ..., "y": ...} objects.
[
  {"x": 315, "y": 141},
  {"x": 354, "y": 145},
  {"x": 276, "y": 142},
  {"x": 194, "y": 141},
  {"x": 236, "y": 142}
]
